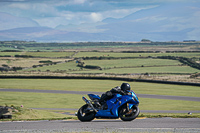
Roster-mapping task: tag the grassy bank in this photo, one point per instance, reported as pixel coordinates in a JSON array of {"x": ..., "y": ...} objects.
[{"x": 23, "y": 113}]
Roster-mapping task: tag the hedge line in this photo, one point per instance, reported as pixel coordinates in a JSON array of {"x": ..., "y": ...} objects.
[{"x": 184, "y": 60}]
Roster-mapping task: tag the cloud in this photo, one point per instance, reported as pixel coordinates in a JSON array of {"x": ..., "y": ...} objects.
[
  {"x": 87, "y": 12},
  {"x": 90, "y": 10},
  {"x": 79, "y": 1},
  {"x": 95, "y": 17}
]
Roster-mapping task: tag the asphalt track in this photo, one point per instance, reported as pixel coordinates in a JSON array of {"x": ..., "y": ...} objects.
[{"x": 155, "y": 125}]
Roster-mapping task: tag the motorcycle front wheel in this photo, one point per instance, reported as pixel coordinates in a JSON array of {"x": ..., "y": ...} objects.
[
  {"x": 85, "y": 115},
  {"x": 128, "y": 115}
]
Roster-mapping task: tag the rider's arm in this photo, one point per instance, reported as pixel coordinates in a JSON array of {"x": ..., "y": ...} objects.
[
  {"x": 118, "y": 90},
  {"x": 122, "y": 92},
  {"x": 115, "y": 90}
]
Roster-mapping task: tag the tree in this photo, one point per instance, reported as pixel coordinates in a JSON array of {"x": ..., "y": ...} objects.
[{"x": 145, "y": 40}]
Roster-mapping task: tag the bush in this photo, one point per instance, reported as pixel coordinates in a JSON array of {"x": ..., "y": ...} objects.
[
  {"x": 23, "y": 56},
  {"x": 4, "y": 65},
  {"x": 47, "y": 62},
  {"x": 92, "y": 67},
  {"x": 16, "y": 68}
]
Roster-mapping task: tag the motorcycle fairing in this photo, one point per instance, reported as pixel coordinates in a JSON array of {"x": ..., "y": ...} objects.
[
  {"x": 93, "y": 96},
  {"x": 115, "y": 103}
]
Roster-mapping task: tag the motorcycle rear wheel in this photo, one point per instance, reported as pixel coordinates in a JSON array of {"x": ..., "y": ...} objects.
[
  {"x": 85, "y": 115},
  {"x": 128, "y": 115}
]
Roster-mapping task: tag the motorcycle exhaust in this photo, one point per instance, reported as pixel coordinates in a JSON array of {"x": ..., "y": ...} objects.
[{"x": 89, "y": 103}]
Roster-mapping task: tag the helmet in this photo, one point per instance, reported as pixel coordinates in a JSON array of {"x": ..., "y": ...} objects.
[{"x": 125, "y": 87}]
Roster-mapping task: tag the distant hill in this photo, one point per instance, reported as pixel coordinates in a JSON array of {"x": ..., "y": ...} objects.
[{"x": 8, "y": 21}]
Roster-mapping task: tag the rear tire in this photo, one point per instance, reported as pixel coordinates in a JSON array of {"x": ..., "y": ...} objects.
[
  {"x": 85, "y": 115},
  {"x": 126, "y": 115}
]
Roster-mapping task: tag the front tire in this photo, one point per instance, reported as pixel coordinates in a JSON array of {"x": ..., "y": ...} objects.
[
  {"x": 130, "y": 115},
  {"x": 85, "y": 115}
]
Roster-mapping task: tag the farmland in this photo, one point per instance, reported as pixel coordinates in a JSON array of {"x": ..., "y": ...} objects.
[{"x": 177, "y": 66}]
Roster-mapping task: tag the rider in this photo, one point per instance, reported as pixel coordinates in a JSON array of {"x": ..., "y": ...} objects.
[{"x": 123, "y": 90}]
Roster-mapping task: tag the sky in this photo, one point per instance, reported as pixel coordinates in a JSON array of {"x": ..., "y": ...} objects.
[{"x": 159, "y": 20}]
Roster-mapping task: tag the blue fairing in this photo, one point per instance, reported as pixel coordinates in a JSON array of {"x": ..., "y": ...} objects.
[
  {"x": 93, "y": 96},
  {"x": 115, "y": 103}
]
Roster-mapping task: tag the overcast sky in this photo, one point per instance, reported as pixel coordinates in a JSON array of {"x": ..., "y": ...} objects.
[
  {"x": 52, "y": 13},
  {"x": 55, "y": 13}
]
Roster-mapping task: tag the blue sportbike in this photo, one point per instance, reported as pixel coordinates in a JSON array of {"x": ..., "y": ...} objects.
[{"x": 120, "y": 106}]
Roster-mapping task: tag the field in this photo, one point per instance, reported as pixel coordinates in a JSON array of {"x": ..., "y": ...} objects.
[
  {"x": 109, "y": 62},
  {"x": 139, "y": 54},
  {"x": 153, "y": 62},
  {"x": 160, "y": 70}
]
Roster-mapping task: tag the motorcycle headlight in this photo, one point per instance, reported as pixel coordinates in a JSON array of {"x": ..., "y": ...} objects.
[{"x": 134, "y": 98}]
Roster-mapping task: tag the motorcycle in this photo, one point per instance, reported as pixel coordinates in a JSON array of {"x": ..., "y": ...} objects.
[{"x": 124, "y": 107}]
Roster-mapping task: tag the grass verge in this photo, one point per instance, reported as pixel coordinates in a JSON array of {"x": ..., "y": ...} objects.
[
  {"x": 172, "y": 115},
  {"x": 21, "y": 113}
]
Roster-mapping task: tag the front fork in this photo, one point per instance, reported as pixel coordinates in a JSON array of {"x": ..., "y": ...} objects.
[{"x": 129, "y": 108}]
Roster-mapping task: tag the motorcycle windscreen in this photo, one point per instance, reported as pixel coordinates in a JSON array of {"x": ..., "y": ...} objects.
[{"x": 93, "y": 96}]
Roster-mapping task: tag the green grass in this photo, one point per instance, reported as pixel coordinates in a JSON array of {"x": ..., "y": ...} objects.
[
  {"x": 41, "y": 100},
  {"x": 98, "y": 54},
  {"x": 99, "y": 86},
  {"x": 131, "y": 62},
  {"x": 60, "y": 84},
  {"x": 10, "y": 53},
  {"x": 115, "y": 54},
  {"x": 164, "y": 69},
  {"x": 28, "y": 62},
  {"x": 69, "y": 66},
  {"x": 49, "y": 100},
  {"x": 50, "y": 54},
  {"x": 32, "y": 114},
  {"x": 39, "y": 54},
  {"x": 22, "y": 113},
  {"x": 172, "y": 115},
  {"x": 161, "y": 104}
]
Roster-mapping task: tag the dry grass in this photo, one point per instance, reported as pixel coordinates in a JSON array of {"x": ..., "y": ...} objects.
[
  {"x": 25, "y": 62},
  {"x": 178, "y": 78}
]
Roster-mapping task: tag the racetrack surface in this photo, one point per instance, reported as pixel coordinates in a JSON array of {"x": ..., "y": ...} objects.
[{"x": 116, "y": 125}]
